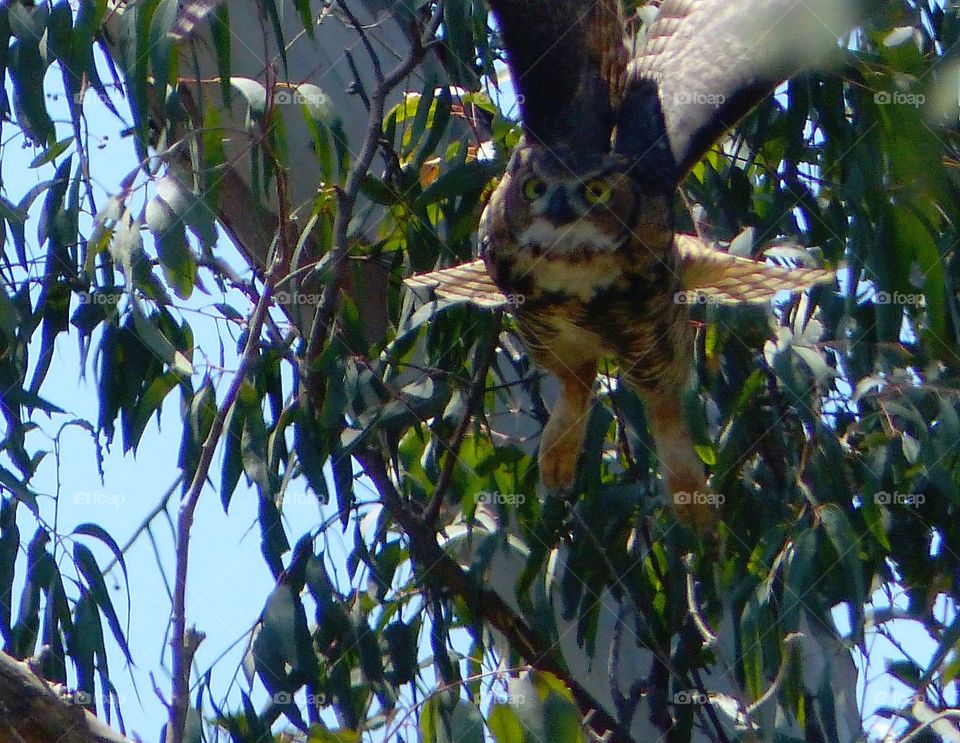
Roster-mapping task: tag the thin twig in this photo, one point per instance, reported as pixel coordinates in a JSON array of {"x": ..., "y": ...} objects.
[
  {"x": 180, "y": 700},
  {"x": 336, "y": 260}
]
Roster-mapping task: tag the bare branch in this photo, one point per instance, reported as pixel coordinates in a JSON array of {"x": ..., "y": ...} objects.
[
  {"x": 33, "y": 710},
  {"x": 335, "y": 262},
  {"x": 180, "y": 642},
  {"x": 441, "y": 567}
]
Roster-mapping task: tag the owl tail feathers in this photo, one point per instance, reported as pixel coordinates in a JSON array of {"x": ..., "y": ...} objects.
[
  {"x": 730, "y": 279},
  {"x": 468, "y": 282}
]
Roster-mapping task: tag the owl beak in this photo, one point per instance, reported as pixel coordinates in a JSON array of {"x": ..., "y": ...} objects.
[{"x": 558, "y": 208}]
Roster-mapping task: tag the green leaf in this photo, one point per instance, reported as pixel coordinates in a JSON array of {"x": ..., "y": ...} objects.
[
  {"x": 311, "y": 448},
  {"x": 471, "y": 176},
  {"x": 441, "y": 110},
  {"x": 9, "y": 549},
  {"x": 466, "y": 725},
  {"x": 98, "y": 532},
  {"x": 51, "y": 153},
  {"x": 27, "y": 70},
  {"x": 845, "y": 541},
  {"x": 157, "y": 342},
  {"x": 253, "y": 447},
  {"x": 561, "y": 722},
  {"x": 282, "y": 651},
  {"x": 321, "y": 735},
  {"x": 342, "y": 464},
  {"x": 16, "y": 486},
  {"x": 458, "y": 33},
  {"x": 232, "y": 453},
  {"x": 134, "y": 55},
  {"x": 60, "y": 33},
  {"x": 85, "y": 642},
  {"x": 274, "y": 15},
  {"x": 167, "y": 215},
  {"x": 401, "y": 639},
  {"x": 161, "y": 44},
  {"x": 504, "y": 724},
  {"x": 214, "y": 156},
  {"x": 219, "y": 22},
  {"x": 949, "y": 642},
  {"x": 87, "y": 564}
]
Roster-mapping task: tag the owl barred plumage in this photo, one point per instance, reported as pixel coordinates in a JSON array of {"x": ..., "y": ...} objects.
[
  {"x": 582, "y": 225},
  {"x": 591, "y": 252}
]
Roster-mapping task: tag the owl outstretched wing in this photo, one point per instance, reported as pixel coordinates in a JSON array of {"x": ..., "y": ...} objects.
[
  {"x": 703, "y": 64},
  {"x": 468, "y": 282},
  {"x": 705, "y": 269},
  {"x": 730, "y": 279}
]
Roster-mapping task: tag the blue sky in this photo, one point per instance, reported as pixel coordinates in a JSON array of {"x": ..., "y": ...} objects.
[{"x": 228, "y": 580}]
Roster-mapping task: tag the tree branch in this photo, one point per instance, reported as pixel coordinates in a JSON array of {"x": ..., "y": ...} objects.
[
  {"x": 434, "y": 561},
  {"x": 33, "y": 710},
  {"x": 335, "y": 262},
  {"x": 182, "y": 642}
]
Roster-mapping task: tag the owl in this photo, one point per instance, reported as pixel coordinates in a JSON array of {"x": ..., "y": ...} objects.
[
  {"x": 581, "y": 225},
  {"x": 590, "y": 250}
]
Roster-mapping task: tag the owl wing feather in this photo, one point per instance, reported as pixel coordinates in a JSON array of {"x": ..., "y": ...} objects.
[
  {"x": 704, "y": 64},
  {"x": 730, "y": 279},
  {"x": 468, "y": 282},
  {"x": 566, "y": 58},
  {"x": 724, "y": 277}
]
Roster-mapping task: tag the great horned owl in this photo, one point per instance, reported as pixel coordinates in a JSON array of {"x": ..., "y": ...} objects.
[
  {"x": 582, "y": 226},
  {"x": 591, "y": 252}
]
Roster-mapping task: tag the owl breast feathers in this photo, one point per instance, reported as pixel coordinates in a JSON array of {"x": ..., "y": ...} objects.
[{"x": 591, "y": 253}]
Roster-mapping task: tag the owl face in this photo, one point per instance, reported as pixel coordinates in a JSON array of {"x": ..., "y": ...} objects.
[
  {"x": 575, "y": 226},
  {"x": 557, "y": 212}
]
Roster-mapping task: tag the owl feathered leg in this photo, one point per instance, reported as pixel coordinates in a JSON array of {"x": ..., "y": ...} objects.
[
  {"x": 563, "y": 435},
  {"x": 681, "y": 470},
  {"x": 658, "y": 367}
]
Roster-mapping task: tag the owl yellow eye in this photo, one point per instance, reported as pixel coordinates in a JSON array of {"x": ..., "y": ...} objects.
[
  {"x": 597, "y": 191},
  {"x": 534, "y": 188}
]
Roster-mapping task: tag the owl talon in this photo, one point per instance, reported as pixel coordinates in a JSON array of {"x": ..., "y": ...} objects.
[{"x": 558, "y": 466}]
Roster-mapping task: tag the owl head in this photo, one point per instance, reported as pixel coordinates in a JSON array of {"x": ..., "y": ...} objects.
[{"x": 557, "y": 204}]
